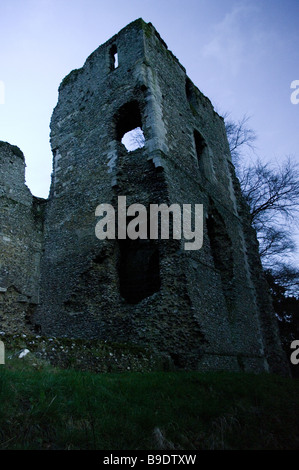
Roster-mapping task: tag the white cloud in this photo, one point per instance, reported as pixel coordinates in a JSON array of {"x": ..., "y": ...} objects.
[{"x": 229, "y": 45}]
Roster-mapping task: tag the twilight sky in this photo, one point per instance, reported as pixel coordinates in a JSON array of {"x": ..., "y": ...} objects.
[{"x": 242, "y": 54}]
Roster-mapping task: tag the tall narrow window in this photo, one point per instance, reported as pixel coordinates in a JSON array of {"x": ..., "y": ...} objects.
[
  {"x": 113, "y": 57},
  {"x": 204, "y": 156},
  {"x": 221, "y": 247},
  {"x": 191, "y": 95},
  {"x": 189, "y": 87},
  {"x": 199, "y": 145},
  {"x": 115, "y": 60}
]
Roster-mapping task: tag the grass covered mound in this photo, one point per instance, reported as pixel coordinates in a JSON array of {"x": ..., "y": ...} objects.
[{"x": 51, "y": 408}]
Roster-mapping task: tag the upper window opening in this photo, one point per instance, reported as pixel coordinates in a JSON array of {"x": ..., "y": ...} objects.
[
  {"x": 115, "y": 60},
  {"x": 133, "y": 139},
  {"x": 113, "y": 57}
]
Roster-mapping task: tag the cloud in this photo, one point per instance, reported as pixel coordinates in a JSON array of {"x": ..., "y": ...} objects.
[{"x": 229, "y": 45}]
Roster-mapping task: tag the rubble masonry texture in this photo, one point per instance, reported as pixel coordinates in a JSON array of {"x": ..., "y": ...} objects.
[{"x": 206, "y": 309}]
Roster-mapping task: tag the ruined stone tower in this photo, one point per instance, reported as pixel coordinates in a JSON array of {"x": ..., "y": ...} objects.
[{"x": 206, "y": 308}]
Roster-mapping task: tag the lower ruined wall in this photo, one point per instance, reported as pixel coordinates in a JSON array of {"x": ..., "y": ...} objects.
[
  {"x": 165, "y": 318},
  {"x": 21, "y": 222}
]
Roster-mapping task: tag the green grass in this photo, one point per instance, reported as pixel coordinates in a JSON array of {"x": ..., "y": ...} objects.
[{"x": 66, "y": 409}]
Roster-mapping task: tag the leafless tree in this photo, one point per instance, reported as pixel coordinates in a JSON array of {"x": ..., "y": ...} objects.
[
  {"x": 288, "y": 277},
  {"x": 272, "y": 193},
  {"x": 239, "y": 136}
]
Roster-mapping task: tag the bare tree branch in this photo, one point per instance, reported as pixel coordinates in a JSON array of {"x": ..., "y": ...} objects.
[
  {"x": 239, "y": 135},
  {"x": 272, "y": 194}
]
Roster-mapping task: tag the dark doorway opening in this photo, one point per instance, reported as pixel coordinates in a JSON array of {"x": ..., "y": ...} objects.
[{"x": 139, "y": 269}]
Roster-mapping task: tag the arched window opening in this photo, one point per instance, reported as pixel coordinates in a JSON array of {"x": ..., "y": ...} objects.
[{"x": 129, "y": 126}]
